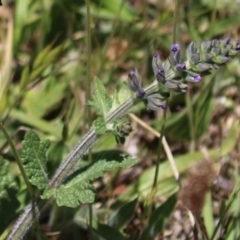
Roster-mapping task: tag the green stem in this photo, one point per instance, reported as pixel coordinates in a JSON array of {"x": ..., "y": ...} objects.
[
  {"x": 149, "y": 201},
  {"x": 160, "y": 149},
  {"x": 19, "y": 163},
  {"x": 192, "y": 146},
  {"x": 175, "y": 21},
  {"x": 88, "y": 78}
]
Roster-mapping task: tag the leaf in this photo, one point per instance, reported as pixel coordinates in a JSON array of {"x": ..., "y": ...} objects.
[
  {"x": 106, "y": 164},
  {"x": 77, "y": 188},
  {"x": 102, "y": 103},
  {"x": 107, "y": 232},
  {"x": 71, "y": 195},
  {"x": 37, "y": 122},
  {"x": 124, "y": 215},
  {"x": 41, "y": 57},
  {"x": 24, "y": 77},
  {"x": 34, "y": 159},
  {"x": 9, "y": 203},
  {"x": 100, "y": 126},
  {"x": 6, "y": 179},
  {"x": 159, "y": 218},
  {"x": 47, "y": 193}
]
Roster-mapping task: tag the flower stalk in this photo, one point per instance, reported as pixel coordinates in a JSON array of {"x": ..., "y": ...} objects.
[{"x": 170, "y": 76}]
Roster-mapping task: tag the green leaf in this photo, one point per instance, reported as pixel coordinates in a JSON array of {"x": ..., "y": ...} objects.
[
  {"x": 77, "y": 188},
  {"x": 71, "y": 195},
  {"x": 34, "y": 159},
  {"x": 159, "y": 218},
  {"x": 100, "y": 126},
  {"x": 108, "y": 233},
  {"x": 6, "y": 179},
  {"x": 37, "y": 122},
  {"x": 47, "y": 193},
  {"x": 124, "y": 215},
  {"x": 102, "y": 103},
  {"x": 106, "y": 164},
  {"x": 24, "y": 77},
  {"x": 8, "y": 192},
  {"x": 40, "y": 59}
]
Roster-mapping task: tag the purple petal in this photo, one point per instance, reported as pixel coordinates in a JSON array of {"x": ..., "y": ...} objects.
[
  {"x": 140, "y": 93},
  {"x": 175, "y": 48}
]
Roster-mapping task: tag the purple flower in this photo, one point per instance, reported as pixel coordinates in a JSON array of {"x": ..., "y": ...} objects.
[
  {"x": 175, "y": 54},
  {"x": 175, "y": 48},
  {"x": 180, "y": 67},
  {"x": 140, "y": 93}
]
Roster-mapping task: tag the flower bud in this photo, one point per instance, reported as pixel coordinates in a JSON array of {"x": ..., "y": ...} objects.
[
  {"x": 155, "y": 101},
  {"x": 233, "y": 53},
  {"x": 205, "y": 47},
  {"x": 123, "y": 129},
  {"x": 195, "y": 79},
  {"x": 175, "y": 54},
  {"x": 202, "y": 67},
  {"x": 158, "y": 68},
  {"x": 221, "y": 59},
  {"x": 135, "y": 83},
  {"x": 180, "y": 67},
  {"x": 176, "y": 86},
  {"x": 206, "y": 57},
  {"x": 215, "y": 51}
]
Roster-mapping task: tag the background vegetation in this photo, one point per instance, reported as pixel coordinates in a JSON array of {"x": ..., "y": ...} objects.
[{"x": 44, "y": 62}]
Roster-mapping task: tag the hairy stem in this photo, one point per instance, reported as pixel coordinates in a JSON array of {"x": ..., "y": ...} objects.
[{"x": 70, "y": 164}]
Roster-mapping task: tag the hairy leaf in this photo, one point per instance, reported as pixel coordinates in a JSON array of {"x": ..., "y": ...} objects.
[
  {"x": 34, "y": 159},
  {"x": 100, "y": 126},
  {"x": 78, "y": 189},
  {"x": 101, "y": 102},
  {"x": 71, "y": 195},
  {"x": 98, "y": 168}
]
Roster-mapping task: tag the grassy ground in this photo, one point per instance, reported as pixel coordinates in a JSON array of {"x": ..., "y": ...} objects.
[{"x": 44, "y": 65}]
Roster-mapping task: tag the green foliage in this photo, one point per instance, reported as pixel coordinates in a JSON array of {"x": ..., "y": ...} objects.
[
  {"x": 123, "y": 215},
  {"x": 8, "y": 190},
  {"x": 78, "y": 188},
  {"x": 159, "y": 218},
  {"x": 106, "y": 232},
  {"x": 34, "y": 159},
  {"x": 101, "y": 102},
  {"x": 74, "y": 193},
  {"x": 100, "y": 126}
]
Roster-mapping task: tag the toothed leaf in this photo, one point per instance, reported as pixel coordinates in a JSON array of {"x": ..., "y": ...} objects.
[
  {"x": 78, "y": 189},
  {"x": 100, "y": 126},
  {"x": 34, "y": 159},
  {"x": 71, "y": 195},
  {"x": 101, "y": 102}
]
